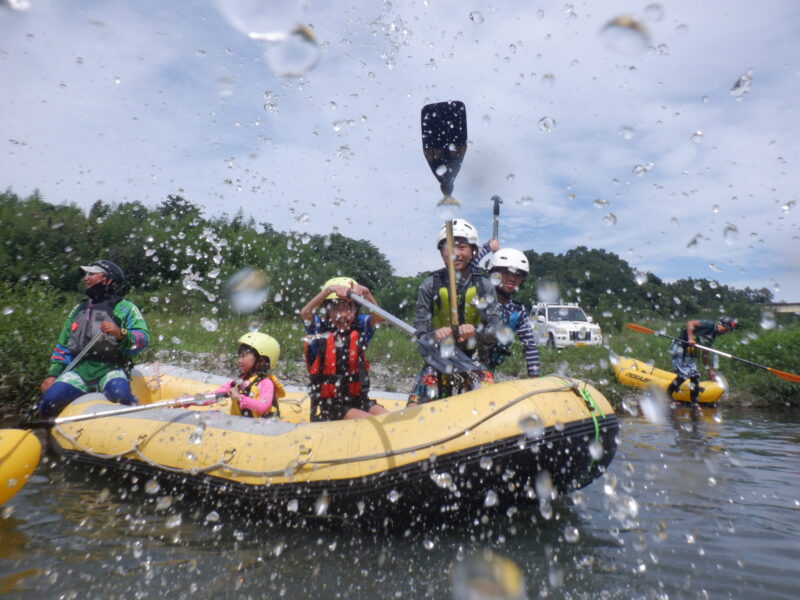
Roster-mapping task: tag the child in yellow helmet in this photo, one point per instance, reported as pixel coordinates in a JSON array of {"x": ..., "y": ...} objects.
[
  {"x": 335, "y": 352},
  {"x": 256, "y": 392}
]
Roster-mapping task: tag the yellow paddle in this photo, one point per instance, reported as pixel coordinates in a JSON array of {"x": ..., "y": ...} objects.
[{"x": 782, "y": 374}]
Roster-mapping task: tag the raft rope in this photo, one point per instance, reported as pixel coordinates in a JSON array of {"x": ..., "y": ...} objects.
[{"x": 294, "y": 466}]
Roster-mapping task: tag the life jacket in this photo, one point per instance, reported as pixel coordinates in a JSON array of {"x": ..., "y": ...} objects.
[
  {"x": 86, "y": 324},
  {"x": 328, "y": 380},
  {"x": 467, "y": 311},
  {"x": 703, "y": 335},
  {"x": 250, "y": 386}
]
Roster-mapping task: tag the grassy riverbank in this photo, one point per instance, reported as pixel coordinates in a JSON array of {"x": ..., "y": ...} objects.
[
  {"x": 396, "y": 361},
  {"x": 32, "y": 315}
]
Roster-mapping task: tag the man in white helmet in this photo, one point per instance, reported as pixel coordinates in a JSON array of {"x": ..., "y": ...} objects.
[
  {"x": 508, "y": 269},
  {"x": 479, "y": 314}
]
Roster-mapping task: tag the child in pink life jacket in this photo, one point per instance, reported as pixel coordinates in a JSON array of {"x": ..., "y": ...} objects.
[{"x": 256, "y": 392}]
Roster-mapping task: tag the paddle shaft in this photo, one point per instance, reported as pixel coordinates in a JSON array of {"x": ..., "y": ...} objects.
[
  {"x": 74, "y": 362},
  {"x": 777, "y": 372},
  {"x": 451, "y": 277},
  {"x": 174, "y": 403},
  {"x": 456, "y": 361},
  {"x": 402, "y": 325}
]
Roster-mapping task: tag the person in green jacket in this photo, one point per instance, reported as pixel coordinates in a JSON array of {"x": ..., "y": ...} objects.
[{"x": 105, "y": 364}]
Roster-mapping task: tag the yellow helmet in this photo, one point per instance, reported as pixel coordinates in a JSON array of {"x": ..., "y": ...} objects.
[
  {"x": 264, "y": 344},
  {"x": 345, "y": 281}
]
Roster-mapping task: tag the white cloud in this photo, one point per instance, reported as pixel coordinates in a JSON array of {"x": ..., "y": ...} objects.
[{"x": 187, "y": 116}]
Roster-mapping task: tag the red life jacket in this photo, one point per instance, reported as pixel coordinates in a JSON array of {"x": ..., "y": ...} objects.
[{"x": 325, "y": 377}]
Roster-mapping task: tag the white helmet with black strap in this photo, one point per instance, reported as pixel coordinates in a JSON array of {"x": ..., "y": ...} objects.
[
  {"x": 461, "y": 229},
  {"x": 511, "y": 259}
]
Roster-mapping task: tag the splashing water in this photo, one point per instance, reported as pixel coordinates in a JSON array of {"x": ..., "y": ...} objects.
[
  {"x": 767, "y": 320},
  {"x": 627, "y": 133},
  {"x": 625, "y": 35},
  {"x": 742, "y": 86},
  {"x": 247, "y": 290},
  {"x": 486, "y": 575},
  {"x": 547, "y": 124},
  {"x": 730, "y": 234},
  {"x": 654, "y": 405},
  {"x": 262, "y": 20},
  {"x": 294, "y": 54},
  {"x": 476, "y": 17},
  {"x": 610, "y": 220}
]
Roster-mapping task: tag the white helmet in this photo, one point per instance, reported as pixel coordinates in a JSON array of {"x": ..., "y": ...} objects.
[
  {"x": 509, "y": 258},
  {"x": 461, "y": 229}
]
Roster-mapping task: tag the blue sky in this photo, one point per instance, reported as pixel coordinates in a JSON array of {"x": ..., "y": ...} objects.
[{"x": 135, "y": 101}]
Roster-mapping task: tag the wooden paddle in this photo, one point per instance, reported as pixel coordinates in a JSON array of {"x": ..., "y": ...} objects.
[{"x": 782, "y": 374}]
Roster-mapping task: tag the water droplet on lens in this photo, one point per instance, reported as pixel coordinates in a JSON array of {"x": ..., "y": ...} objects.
[
  {"x": 393, "y": 496},
  {"x": 491, "y": 498},
  {"x": 610, "y": 220},
  {"x": 767, "y": 320},
  {"x": 152, "y": 486},
  {"x": 572, "y": 534},
  {"x": 640, "y": 277},
  {"x": 697, "y": 136},
  {"x": 600, "y": 203},
  {"x": 8, "y": 310},
  {"x": 292, "y": 505},
  {"x": 525, "y": 201},
  {"x": 486, "y": 463},
  {"x": 532, "y": 426},
  {"x": 448, "y": 208}
]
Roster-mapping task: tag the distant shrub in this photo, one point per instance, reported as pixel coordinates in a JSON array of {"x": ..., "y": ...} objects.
[{"x": 30, "y": 318}]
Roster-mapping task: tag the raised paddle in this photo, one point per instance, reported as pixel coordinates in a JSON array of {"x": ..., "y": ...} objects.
[
  {"x": 776, "y": 372},
  {"x": 444, "y": 140},
  {"x": 444, "y": 143},
  {"x": 174, "y": 403},
  {"x": 429, "y": 350},
  {"x": 497, "y": 201}
]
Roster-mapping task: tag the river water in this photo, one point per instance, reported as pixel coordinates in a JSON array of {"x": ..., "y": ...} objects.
[{"x": 703, "y": 507}]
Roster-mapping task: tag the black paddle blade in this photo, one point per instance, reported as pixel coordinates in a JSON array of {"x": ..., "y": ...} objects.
[
  {"x": 457, "y": 362},
  {"x": 444, "y": 140}
]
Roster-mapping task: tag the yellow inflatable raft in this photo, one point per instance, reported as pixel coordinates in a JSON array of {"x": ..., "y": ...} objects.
[
  {"x": 19, "y": 456},
  {"x": 489, "y": 447},
  {"x": 636, "y": 373}
]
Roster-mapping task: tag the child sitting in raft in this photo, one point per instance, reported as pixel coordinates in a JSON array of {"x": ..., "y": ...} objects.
[
  {"x": 256, "y": 392},
  {"x": 335, "y": 349}
]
